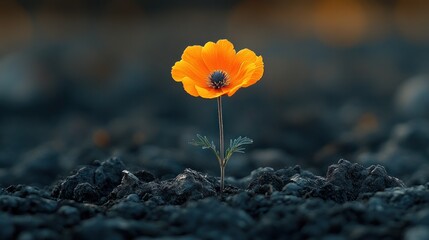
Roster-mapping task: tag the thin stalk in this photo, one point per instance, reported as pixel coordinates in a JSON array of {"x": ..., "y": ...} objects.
[
  {"x": 222, "y": 177},
  {"x": 221, "y": 144}
]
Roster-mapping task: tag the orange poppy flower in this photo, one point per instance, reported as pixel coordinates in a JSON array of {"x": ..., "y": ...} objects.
[{"x": 215, "y": 69}]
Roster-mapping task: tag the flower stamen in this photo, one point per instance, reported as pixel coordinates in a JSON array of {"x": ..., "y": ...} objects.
[{"x": 218, "y": 79}]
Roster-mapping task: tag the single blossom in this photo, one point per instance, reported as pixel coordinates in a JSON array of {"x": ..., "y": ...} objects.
[{"x": 216, "y": 69}]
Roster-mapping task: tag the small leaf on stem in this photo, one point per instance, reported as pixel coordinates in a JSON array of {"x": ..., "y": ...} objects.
[
  {"x": 204, "y": 143},
  {"x": 236, "y": 146}
]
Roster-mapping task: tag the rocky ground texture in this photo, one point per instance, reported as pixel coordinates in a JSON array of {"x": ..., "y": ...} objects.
[{"x": 106, "y": 200}]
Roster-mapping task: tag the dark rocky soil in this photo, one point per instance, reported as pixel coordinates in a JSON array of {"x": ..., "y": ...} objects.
[{"x": 107, "y": 201}]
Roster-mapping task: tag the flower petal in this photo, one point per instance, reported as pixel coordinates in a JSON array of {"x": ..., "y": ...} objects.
[
  {"x": 208, "y": 92},
  {"x": 233, "y": 90},
  {"x": 189, "y": 86},
  {"x": 219, "y": 55},
  {"x": 257, "y": 73},
  {"x": 244, "y": 55},
  {"x": 183, "y": 69},
  {"x": 241, "y": 60},
  {"x": 244, "y": 75},
  {"x": 192, "y": 55},
  {"x": 176, "y": 73}
]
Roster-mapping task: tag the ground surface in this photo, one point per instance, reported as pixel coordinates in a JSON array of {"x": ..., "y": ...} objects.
[{"x": 106, "y": 200}]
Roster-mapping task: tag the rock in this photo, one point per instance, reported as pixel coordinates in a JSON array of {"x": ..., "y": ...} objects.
[
  {"x": 301, "y": 182},
  {"x": 244, "y": 182},
  {"x": 378, "y": 180},
  {"x": 109, "y": 174},
  {"x": 129, "y": 185},
  {"x": 91, "y": 182},
  {"x": 190, "y": 185},
  {"x": 292, "y": 189},
  {"x": 266, "y": 183},
  {"x": 129, "y": 178},
  {"x": 286, "y": 173},
  {"x": 345, "y": 181},
  {"x": 85, "y": 192}
]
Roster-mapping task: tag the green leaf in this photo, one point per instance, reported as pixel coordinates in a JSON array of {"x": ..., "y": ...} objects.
[
  {"x": 202, "y": 141},
  {"x": 205, "y": 143},
  {"x": 236, "y": 146}
]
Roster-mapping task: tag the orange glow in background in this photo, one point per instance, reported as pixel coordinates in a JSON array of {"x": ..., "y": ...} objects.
[{"x": 305, "y": 42}]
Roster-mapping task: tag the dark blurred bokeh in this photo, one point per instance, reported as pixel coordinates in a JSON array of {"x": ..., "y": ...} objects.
[{"x": 84, "y": 80}]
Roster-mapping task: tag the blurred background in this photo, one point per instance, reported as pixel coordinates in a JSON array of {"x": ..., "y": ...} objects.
[{"x": 86, "y": 80}]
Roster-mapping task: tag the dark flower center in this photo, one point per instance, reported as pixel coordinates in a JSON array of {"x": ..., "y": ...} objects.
[{"x": 218, "y": 79}]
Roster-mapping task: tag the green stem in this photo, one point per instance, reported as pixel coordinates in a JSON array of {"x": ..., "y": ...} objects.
[
  {"x": 221, "y": 144},
  {"x": 222, "y": 177}
]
